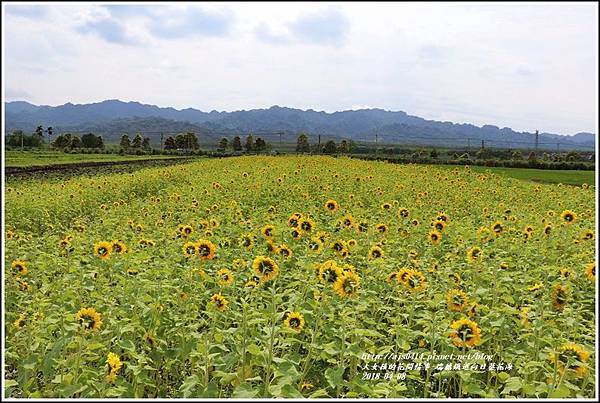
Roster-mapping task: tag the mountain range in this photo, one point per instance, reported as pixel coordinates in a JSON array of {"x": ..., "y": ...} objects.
[{"x": 112, "y": 118}]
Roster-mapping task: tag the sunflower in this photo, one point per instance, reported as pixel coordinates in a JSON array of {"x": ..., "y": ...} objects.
[
  {"x": 567, "y": 353},
  {"x": 305, "y": 386},
  {"x": 559, "y": 296},
  {"x": 294, "y": 219},
  {"x": 89, "y": 318},
  {"x": 329, "y": 272},
  {"x": 537, "y": 286},
  {"x": 568, "y": 216},
  {"x": 23, "y": 285},
  {"x": 457, "y": 300},
  {"x": 438, "y": 225},
  {"x": 362, "y": 226},
  {"x": 238, "y": 264},
  {"x": 415, "y": 281},
  {"x": 251, "y": 284},
  {"x": 331, "y": 205},
  {"x": 296, "y": 233},
  {"x": 225, "y": 277},
  {"x": 103, "y": 250},
  {"x": 268, "y": 231},
  {"x": 347, "y": 285},
  {"x": 265, "y": 267},
  {"x": 473, "y": 254},
  {"x": 315, "y": 245},
  {"x": 185, "y": 230},
  {"x": 206, "y": 249},
  {"x": 284, "y": 251},
  {"x": 528, "y": 228},
  {"x": 587, "y": 235},
  {"x": 247, "y": 241},
  {"x": 219, "y": 301},
  {"x": 503, "y": 265},
  {"x": 403, "y": 212},
  {"x": 347, "y": 221},
  {"x": 381, "y": 228},
  {"x": 306, "y": 224},
  {"x": 21, "y": 321},
  {"x": 547, "y": 229},
  {"x": 402, "y": 276},
  {"x": 443, "y": 217},
  {"x": 590, "y": 271},
  {"x": 497, "y": 228},
  {"x": 189, "y": 249},
  {"x": 340, "y": 248},
  {"x": 435, "y": 237},
  {"x": 114, "y": 365},
  {"x": 465, "y": 332},
  {"x": 20, "y": 267},
  {"x": 566, "y": 273},
  {"x": 295, "y": 321},
  {"x": 415, "y": 222},
  {"x": 391, "y": 277},
  {"x": 119, "y": 247},
  {"x": 375, "y": 253}
]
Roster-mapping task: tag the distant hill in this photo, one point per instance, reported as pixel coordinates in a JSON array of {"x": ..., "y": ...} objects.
[{"x": 114, "y": 117}]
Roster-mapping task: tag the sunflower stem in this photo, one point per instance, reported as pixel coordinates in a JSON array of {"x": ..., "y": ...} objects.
[{"x": 271, "y": 341}]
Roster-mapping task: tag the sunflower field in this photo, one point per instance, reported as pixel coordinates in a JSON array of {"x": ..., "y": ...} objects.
[{"x": 298, "y": 276}]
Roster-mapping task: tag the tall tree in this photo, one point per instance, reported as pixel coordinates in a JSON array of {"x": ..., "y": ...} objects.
[
  {"x": 237, "y": 143},
  {"x": 125, "y": 142},
  {"x": 260, "y": 144},
  {"x": 303, "y": 146},
  {"x": 170, "y": 143},
  {"x": 249, "y": 143},
  {"x": 223, "y": 143},
  {"x": 75, "y": 142},
  {"x": 344, "y": 147},
  {"x": 137, "y": 141},
  {"x": 330, "y": 147}
]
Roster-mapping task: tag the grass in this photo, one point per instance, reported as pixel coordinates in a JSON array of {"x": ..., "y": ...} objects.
[
  {"x": 568, "y": 177},
  {"x": 15, "y": 158}
]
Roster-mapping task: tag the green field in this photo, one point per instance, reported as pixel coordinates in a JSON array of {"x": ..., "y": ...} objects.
[
  {"x": 568, "y": 177},
  {"x": 42, "y": 158}
]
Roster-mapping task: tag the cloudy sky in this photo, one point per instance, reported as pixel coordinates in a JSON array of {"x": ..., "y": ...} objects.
[{"x": 525, "y": 66}]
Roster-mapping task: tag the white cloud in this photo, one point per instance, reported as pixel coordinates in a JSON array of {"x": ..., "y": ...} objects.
[{"x": 526, "y": 66}]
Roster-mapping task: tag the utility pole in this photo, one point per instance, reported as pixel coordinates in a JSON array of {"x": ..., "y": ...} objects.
[
  {"x": 536, "y": 141},
  {"x": 468, "y": 143},
  {"x": 319, "y": 146},
  {"x": 482, "y": 144},
  {"x": 161, "y": 141},
  {"x": 376, "y": 142},
  {"x": 557, "y": 147},
  {"x": 280, "y": 141}
]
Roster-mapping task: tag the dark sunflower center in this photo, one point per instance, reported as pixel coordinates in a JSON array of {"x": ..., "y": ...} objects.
[
  {"x": 102, "y": 251},
  {"x": 330, "y": 206},
  {"x": 569, "y": 217},
  {"x": 204, "y": 250},
  {"x": 376, "y": 253},
  {"x": 294, "y": 322},
  {"x": 265, "y": 267},
  {"x": 465, "y": 332}
]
